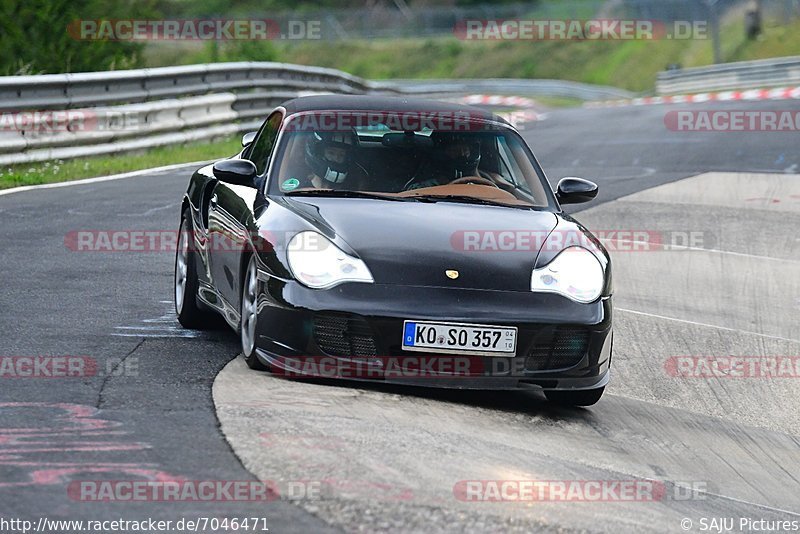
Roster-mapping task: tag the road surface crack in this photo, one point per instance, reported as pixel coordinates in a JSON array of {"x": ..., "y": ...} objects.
[{"x": 110, "y": 373}]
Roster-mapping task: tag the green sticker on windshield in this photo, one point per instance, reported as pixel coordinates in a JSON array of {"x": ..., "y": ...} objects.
[{"x": 291, "y": 183}]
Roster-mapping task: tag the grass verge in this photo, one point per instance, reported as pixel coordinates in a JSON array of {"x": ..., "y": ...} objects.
[
  {"x": 631, "y": 65},
  {"x": 75, "y": 169}
]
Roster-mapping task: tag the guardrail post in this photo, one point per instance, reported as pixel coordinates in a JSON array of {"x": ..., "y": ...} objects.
[{"x": 714, "y": 21}]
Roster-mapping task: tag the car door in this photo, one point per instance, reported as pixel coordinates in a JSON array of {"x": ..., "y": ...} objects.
[{"x": 231, "y": 217}]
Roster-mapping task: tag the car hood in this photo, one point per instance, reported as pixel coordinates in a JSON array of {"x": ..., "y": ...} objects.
[{"x": 415, "y": 243}]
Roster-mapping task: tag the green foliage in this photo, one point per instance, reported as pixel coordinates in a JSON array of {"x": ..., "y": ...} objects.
[
  {"x": 249, "y": 51},
  {"x": 632, "y": 65},
  {"x": 199, "y": 8},
  {"x": 36, "y": 40}
]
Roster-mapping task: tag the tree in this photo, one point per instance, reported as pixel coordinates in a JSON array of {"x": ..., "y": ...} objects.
[{"x": 34, "y": 37}]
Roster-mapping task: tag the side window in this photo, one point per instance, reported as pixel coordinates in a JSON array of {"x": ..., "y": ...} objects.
[{"x": 262, "y": 146}]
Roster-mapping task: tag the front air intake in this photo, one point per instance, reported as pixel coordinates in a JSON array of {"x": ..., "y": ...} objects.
[
  {"x": 558, "y": 348},
  {"x": 346, "y": 336}
]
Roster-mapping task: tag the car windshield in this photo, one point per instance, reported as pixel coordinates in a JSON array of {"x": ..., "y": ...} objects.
[{"x": 433, "y": 158}]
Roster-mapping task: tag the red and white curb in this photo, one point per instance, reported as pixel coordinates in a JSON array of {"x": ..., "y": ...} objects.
[
  {"x": 498, "y": 100},
  {"x": 526, "y": 108},
  {"x": 521, "y": 116},
  {"x": 781, "y": 93}
]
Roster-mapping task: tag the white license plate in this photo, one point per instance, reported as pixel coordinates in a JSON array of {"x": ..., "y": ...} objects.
[{"x": 459, "y": 338}]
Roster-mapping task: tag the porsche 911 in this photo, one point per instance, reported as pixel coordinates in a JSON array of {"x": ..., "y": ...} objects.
[{"x": 399, "y": 240}]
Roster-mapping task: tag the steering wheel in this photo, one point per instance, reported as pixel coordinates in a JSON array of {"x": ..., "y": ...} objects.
[{"x": 474, "y": 180}]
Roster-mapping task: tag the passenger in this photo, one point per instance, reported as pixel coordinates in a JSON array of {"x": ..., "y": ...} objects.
[{"x": 453, "y": 156}]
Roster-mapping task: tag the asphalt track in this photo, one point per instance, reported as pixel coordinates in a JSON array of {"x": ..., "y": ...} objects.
[{"x": 390, "y": 457}]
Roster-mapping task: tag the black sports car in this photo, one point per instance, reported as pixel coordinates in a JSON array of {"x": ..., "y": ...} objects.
[{"x": 402, "y": 240}]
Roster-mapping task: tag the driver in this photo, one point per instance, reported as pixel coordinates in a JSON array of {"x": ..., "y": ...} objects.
[
  {"x": 454, "y": 156},
  {"x": 330, "y": 156}
]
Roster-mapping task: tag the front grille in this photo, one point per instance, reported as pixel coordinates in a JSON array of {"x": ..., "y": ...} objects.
[
  {"x": 344, "y": 335},
  {"x": 558, "y": 348}
]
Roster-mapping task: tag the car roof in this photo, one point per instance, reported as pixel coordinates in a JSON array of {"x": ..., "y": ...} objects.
[{"x": 398, "y": 104}]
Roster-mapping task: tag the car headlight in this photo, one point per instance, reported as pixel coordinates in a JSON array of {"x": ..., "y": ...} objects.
[
  {"x": 575, "y": 273},
  {"x": 319, "y": 264}
]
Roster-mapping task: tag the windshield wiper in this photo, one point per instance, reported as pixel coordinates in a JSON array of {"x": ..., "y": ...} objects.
[
  {"x": 334, "y": 193},
  {"x": 466, "y": 199}
]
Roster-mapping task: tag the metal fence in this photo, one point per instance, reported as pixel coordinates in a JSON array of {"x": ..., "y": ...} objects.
[
  {"x": 110, "y": 112},
  {"x": 743, "y": 75},
  {"x": 113, "y": 112}
]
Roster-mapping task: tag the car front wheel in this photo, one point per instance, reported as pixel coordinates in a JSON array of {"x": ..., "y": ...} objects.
[
  {"x": 190, "y": 315},
  {"x": 249, "y": 316}
]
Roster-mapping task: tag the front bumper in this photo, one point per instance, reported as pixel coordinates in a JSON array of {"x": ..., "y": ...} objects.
[{"x": 354, "y": 331}]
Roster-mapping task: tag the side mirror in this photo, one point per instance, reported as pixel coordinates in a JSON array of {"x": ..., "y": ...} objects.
[
  {"x": 575, "y": 190},
  {"x": 236, "y": 172},
  {"x": 248, "y": 138}
]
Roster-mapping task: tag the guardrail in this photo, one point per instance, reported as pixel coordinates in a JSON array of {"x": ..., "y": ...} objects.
[
  {"x": 61, "y": 116},
  {"x": 517, "y": 87},
  {"x": 63, "y": 91},
  {"x": 120, "y": 111},
  {"x": 743, "y": 75}
]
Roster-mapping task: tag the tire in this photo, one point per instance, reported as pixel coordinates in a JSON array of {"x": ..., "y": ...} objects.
[
  {"x": 585, "y": 397},
  {"x": 190, "y": 315},
  {"x": 248, "y": 322}
]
